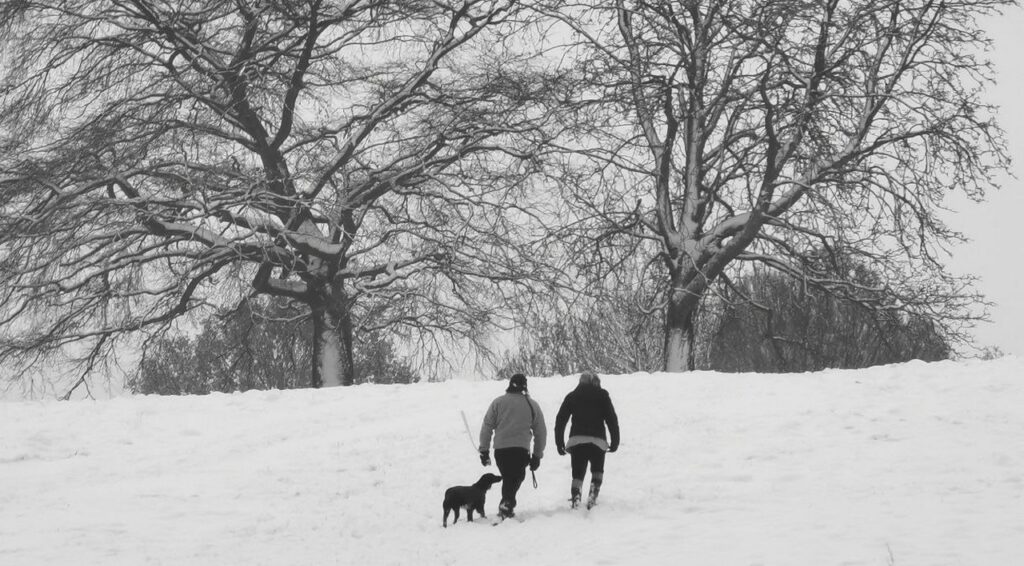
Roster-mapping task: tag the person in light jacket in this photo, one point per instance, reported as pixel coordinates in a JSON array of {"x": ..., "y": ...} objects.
[
  {"x": 513, "y": 420},
  {"x": 591, "y": 410}
]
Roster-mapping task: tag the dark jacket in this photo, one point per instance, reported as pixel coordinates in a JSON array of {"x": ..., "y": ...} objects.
[{"x": 591, "y": 409}]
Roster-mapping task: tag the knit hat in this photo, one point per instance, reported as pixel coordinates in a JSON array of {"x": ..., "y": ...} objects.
[{"x": 517, "y": 384}]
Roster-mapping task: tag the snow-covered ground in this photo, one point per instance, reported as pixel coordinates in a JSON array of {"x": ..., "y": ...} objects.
[{"x": 912, "y": 464}]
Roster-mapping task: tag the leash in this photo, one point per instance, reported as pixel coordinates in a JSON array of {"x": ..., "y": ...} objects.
[{"x": 469, "y": 434}]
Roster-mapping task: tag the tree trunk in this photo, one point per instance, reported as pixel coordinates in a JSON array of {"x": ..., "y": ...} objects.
[
  {"x": 679, "y": 331},
  {"x": 332, "y": 341}
]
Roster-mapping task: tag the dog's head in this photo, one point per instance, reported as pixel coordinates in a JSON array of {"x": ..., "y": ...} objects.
[{"x": 487, "y": 480}]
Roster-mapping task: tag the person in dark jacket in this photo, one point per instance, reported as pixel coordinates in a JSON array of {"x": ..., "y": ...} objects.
[
  {"x": 514, "y": 419},
  {"x": 591, "y": 410}
]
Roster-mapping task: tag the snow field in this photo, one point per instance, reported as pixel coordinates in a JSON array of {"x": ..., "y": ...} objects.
[{"x": 911, "y": 464}]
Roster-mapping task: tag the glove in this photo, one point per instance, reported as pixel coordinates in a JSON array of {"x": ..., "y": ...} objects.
[
  {"x": 613, "y": 447},
  {"x": 534, "y": 462},
  {"x": 485, "y": 457},
  {"x": 561, "y": 450}
]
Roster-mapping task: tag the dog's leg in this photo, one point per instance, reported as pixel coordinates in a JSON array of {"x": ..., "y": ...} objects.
[
  {"x": 456, "y": 509},
  {"x": 469, "y": 513},
  {"x": 444, "y": 521}
]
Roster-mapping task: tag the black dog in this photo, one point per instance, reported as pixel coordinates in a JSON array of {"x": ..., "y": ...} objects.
[{"x": 469, "y": 496}]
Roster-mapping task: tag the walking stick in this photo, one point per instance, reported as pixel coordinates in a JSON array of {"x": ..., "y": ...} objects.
[{"x": 469, "y": 434}]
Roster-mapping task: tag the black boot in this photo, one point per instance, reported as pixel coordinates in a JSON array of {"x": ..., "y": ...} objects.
[
  {"x": 595, "y": 489},
  {"x": 577, "y": 489}
]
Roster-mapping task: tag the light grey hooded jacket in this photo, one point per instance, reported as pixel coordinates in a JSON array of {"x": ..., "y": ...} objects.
[{"x": 512, "y": 424}]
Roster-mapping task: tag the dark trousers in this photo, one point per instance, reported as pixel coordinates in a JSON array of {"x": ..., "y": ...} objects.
[
  {"x": 584, "y": 454},
  {"x": 512, "y": 463}
]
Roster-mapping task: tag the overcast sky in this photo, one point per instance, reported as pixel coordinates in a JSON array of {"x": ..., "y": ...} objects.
[{"x": 995, "y": 227}]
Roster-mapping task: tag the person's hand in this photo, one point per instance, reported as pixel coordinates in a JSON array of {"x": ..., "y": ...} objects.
[
  {"x": 561, "y": 450},
  {"x": 613, "y": 447},
  {"x": 485, "y": 457},
  {"x": 534, "y": 463}
]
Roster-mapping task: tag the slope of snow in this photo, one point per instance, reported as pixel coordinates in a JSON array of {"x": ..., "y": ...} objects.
[{"x": 911, "y": 464}]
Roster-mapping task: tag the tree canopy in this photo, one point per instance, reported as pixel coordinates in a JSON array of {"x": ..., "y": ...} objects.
[
  {"x": 710, "y": 137},
  {"x": 423, "y": 168},
  {"x": 161, "y": 158}
]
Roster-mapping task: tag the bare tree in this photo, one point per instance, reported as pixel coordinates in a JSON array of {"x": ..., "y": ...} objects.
[
  {"x": 602, "y": 328},
  {"x": 761, "y": 322},
  {"x": 359, "y": 157},
  {"x": 716, "y": 135}
]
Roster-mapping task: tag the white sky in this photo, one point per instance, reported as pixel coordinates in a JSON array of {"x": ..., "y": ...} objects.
[{"x": 994, "y": 254}]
